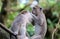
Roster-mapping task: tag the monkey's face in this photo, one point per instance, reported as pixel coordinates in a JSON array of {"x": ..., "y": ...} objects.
[{"x": 36, "y": 10}]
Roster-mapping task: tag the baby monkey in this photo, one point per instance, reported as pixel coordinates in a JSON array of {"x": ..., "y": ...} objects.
[{"x": 20, "y": 22}]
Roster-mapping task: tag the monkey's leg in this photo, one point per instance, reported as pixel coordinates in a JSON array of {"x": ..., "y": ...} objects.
[
  {"x": 37, "y": 29},
  {"x": 37, "y": 32},
  {"x": 15, "y": 30},
  {"x": 23, "y": 32}
]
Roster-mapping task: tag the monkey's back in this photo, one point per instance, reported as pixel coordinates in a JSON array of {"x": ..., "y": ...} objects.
[
  {"x": 17, "y": 22},
  {"x": 20, "y": 20},
  {"x": 42, "y": 23}
]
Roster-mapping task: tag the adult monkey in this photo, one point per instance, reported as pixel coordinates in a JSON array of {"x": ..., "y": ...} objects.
[
  {"x": 19, "y": 24},
  {"x": 39, "y": 23}
]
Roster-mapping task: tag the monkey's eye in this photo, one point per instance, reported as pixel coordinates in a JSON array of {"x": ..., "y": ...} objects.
[
  {"x": 34, "y": 8},
  {"x": 40, "y": 8}
]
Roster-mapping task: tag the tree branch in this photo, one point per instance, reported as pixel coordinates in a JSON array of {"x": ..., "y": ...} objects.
[
  {"x": 6, "y": 29},
  {"x": 17, "y": 9}
]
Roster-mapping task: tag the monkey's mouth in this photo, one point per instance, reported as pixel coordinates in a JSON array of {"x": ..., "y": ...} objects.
[{"x": 34, "y": 13}]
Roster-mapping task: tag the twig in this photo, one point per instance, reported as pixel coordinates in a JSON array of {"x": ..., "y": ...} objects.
[
  {"x": 55, "y": 30},
  {"x": 16, "y": 9}
]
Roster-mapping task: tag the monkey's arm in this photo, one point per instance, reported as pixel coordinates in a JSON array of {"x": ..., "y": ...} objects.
[{"x": 34, "y": 19}]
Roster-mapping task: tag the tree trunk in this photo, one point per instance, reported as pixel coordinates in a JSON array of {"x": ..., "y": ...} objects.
[{"x": 3, "y": 16}]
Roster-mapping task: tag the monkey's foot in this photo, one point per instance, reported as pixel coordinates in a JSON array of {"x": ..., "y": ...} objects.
[
  {"x": 36, "y": 37},
  {"x": 22, "y": 37}
]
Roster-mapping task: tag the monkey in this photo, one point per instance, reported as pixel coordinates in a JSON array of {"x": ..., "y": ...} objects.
[
  {"x": 25, "y": 17},
  {"x": 39, "y": 23},
  {"x": 37, "y": 37},
  {"x": 20, "y": 22}
]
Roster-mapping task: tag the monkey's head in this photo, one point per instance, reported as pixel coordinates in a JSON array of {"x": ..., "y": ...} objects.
[
  {"x": 23, "y": 12},
  {"x": 36, "y": 10}
]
